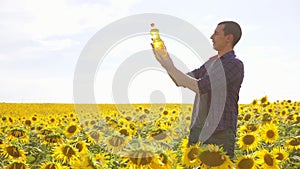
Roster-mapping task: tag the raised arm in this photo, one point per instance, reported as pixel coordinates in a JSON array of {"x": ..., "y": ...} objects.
[{"x": 180, "y": 78}]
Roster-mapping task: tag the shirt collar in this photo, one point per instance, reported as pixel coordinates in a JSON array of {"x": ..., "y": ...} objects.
[{"x": 228, "y": 55}]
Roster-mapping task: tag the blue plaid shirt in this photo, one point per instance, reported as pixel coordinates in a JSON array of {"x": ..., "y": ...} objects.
[{"x": 219, "y": 85}]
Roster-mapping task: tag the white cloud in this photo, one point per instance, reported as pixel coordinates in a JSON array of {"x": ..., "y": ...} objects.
[{"x": 60, "y": 44}]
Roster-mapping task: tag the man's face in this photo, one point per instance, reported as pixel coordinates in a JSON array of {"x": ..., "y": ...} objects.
[{"x": 220, "y": 41}]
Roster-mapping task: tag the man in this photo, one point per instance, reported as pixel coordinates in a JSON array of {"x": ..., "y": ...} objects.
[{"x": 216, "y": 84}]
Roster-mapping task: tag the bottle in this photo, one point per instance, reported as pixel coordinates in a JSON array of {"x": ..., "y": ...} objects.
[{"x": 158, "y": 43}]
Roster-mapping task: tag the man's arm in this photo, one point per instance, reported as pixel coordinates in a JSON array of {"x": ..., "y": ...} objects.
[
  {"x": 182, "y": 79},
  {"x": 177, "y": 76}
]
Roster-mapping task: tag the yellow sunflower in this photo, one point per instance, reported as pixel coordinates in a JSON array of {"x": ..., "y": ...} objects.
[
  {"x": 283, "y": 113},
  {"x": 248, "y": 141},
  {"x": 66, "y": 153},
  {"x": 280, "y": 154},
  {"x": 160, "y": 135},
  {"x": 116, "y": 142},
  {"x": 167, "y": 159},
  {"x": 18, "y": 134},
  {"x": 141, "y": 159},
  {"x": 269, "y": 133},
  {"x": 72, "y": 130},
  {"x": 45, "y": 131},
  {"x": 94, "y": 136},
  {"x": 215, "y": 158},
  {"x": 13, "y": 152},
  {"x": 83, "y": 162},
  {"x": 52, "y": 165},
  {"x": 246, "y": 162},
  {"x": 17, "y": 165},
  {"x": 293, "y": 143},
  {"x": 81, "y": 147},
  {"x": 52, "y": 139},
  {"x": 248, "y": 128},
  {"x": 125, "y": 131},
  {"x": 267, "y": 160},
  {"x": 100, "y": 160},
  {"x": 190, "y": 155},
  {"x": 264, "y": 100},
  {"x": 254, "y": 102}
]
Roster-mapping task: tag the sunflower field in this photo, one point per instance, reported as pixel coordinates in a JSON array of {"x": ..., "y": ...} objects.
[{"x": 143, "y": 136}]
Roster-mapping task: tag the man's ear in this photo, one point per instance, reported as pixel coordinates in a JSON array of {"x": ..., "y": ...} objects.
[{"x": 229, "y": 38}]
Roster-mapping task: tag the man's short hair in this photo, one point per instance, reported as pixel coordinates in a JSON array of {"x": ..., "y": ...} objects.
[{"x": 231, "y": 27}]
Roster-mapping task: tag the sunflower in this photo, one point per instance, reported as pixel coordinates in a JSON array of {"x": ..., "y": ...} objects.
[
  {"x": 269, "y": 133},
  {"x": 52, "y": 139},
  {"x": 280, "y": 154},
  {"x": 294, "y": 143},
  {"x": 52, "y": 120},
  {"x": 65, "y": 153},
  {"x": 254, "y": 102},
  {"x": 246, "y": 162},
  {"x": 125, "y": 131},
  {"x": 100, "y": 160},
  {"x": 142, "y": 159},
  {"x": 248, "y": 141},
  {"x": 167, "y": 159},
  {"x": 116, "y": 142},
  {"x": 123, "y": 122},
  {"x": 190, "y": 155},
  {"x": 81, "y": 146},
  {"x": 17, "y": 164},
  {"x": 267, "y": 160},
  {"x": 94, "y": 136},
  {"x": 18, "y": 134},
  {"x": 83, "y": 162},
  {"x": 215, "y": 158},
  {"x": 248, "y": 128},
  {"x": 13, "y": 152},
  {"x": 284, "y": 112},
  {"x": 264, "y": 100},
  {"x": 72, "y": 130},
  {"x": 52, "y": 165},
  {"x": 45, "y": 131},
  {"x": 159, "y": 135}
]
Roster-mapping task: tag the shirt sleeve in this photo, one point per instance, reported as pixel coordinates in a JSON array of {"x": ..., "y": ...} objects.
[
  {"x": 221, "y": 74},
  {"x": 197, "y": 73}
]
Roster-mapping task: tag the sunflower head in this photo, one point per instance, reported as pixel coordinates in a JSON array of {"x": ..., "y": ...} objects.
[
  {"x": 214, "y": 156},
  {"x": 13, "y": 152},
  {"x": 66, "y": 153},
  {"x": 52, "y": 165},
  {"x": 269, "y": 133},
  {"x": 18, "y": 134},
  {"x": 52, "y": 139},
  {"x": 280, "y": 154},
  {"x": 72, "y": 130},
  {"x": 190, "y": 155},
  {"x": 267, "y": 159},
  {"x": 116, "y": 142},
  {"x": 17, "y": 164},
  {"x": 246, "y": 162},
  {"x": 293, "y": 143},
  {"x": 142, "y": 158},
  {"x": 248, "y": 141}
]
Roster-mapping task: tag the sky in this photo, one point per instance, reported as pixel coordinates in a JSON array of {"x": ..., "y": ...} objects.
[{"x": 41, "y": 42}]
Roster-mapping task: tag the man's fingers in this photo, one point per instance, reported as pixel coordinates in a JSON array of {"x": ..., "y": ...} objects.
[{"x": 155, "y": 53}]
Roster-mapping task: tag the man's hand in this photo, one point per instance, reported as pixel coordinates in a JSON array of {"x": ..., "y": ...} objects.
[{"x": 163, "y": 57}]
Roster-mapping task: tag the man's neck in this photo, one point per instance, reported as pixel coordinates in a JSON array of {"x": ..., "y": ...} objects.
[{"x": 222, "y": 52}]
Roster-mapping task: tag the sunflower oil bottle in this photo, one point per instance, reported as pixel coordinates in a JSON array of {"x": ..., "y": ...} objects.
[{"x": 158, "y": 43}]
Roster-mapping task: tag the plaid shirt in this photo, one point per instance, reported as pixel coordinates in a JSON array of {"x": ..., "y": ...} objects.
[{"x": 219, "y": 80}]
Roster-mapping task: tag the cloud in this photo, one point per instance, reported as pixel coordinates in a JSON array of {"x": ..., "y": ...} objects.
[{"x": 33, "y": 31}]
